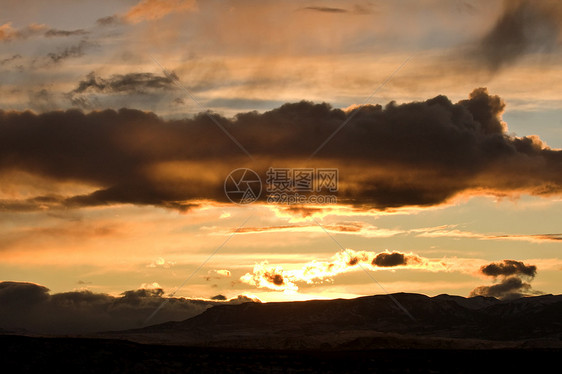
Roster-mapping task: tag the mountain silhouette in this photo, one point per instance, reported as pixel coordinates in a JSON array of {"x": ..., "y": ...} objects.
[{"x": 442, "y": 321}]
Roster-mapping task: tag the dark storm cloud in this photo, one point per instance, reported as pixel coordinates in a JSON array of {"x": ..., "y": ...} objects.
[
  {"x": 508, "y": 274},
  {"x": 523, "y": 27},
  {"x": 390, "y": 259},
  {"x": 30, "y": 306},
  {"x": 420, "y": 153},
  {"x": 508, "y": 267}
]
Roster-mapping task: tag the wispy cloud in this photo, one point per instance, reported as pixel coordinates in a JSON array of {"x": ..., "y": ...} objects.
[
  {"x": 452, "y": 232},
  {"x": 325, "y": 9},
  {"x": 359, "y": 8},
  {"x": 71, "y": 51},
  {"x": 58, "y": 33},
  {"x": 10, "y": 59},
  {"x": 352, "y": 228}
]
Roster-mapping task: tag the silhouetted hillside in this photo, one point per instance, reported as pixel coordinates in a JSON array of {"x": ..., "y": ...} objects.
[{"x": 369, "y": 322}]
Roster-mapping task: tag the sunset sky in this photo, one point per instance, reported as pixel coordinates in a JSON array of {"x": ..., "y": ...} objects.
[{"x": 121, "y": 120}]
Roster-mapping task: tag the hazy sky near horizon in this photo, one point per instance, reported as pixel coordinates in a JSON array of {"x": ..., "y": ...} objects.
[{"x": 112, "y": 177}]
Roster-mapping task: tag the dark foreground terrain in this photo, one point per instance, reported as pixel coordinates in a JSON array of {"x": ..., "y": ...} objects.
[
  {"x": 372, "y": 334},
  {"x": 22, "y": 354}
]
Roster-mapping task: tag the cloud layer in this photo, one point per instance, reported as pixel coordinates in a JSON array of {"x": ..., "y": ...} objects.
[{"x": 420, "y": 153}]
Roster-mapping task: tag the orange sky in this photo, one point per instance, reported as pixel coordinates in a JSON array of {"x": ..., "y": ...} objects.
[{"x": 113, "y": 201}]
